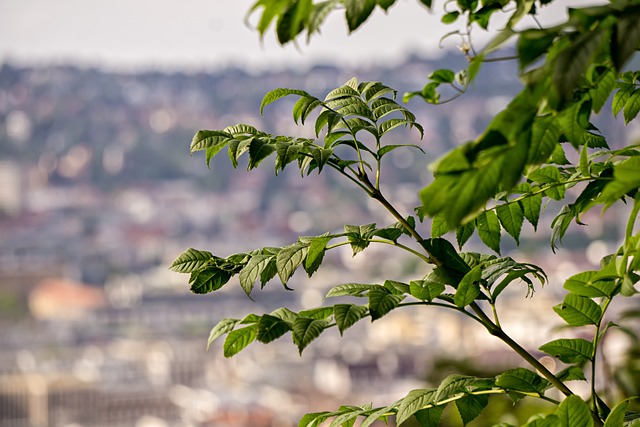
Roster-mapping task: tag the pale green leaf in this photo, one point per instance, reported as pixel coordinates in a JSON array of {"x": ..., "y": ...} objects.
[
  {"x": 350, "y": 289},
  {"x": 521, "y": 379},
  {"x": 426, "y": 290},
  {"x": 222, "y": 327},
  {"x": 191, "y": 260},
  {"x": 252, "y": 271},
  {"x": 289, "y": 258}
]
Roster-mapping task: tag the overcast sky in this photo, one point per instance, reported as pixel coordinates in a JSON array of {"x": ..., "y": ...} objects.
[
  {"x": 200, "y": 33},
  {"x": 209, "y": 34}
]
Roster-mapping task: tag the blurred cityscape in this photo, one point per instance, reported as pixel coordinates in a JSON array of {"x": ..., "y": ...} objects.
[{"x": 98, "y": 194}]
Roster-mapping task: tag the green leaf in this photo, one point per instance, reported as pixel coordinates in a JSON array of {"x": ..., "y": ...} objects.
[
  {"x": 350, "y": 289},
  {"x": 314, "y": 419},
  {"x": 380, "y": 413},
  {"x": 258, "y": 151},
  {"x": 621, "y": 97},
  {"x": 292, "y": 21},
  {"x": 442, "y": 76},
  {"x": 469, "y": 288},
  {"x": 429, "y": 417},
  {"x": 358, "y": 236},
  {"x": 511, "y": 217},
  {"x": 471, "y": 406},
  {"x": 544, "y": 139},
  {"x": 426, "y": 290},
  {"x": 451, "y": 17},
  {"x": 574, "y": 412},
  {"x": 317, "y": 249},
  {"x": 347, "y": 315},
  {"x": 357, "y": 12},
  {"x": 616, "y": 417},
  {"x": 632, "y": 106},
  {"x": 305, "y": 330},
  {"x": 270, "y": 328},
  {"x": 488, "y": 227},
  {"x": 209, "y": 280},
  {"x": 571, "y": 373},
  {"x": 572, "y": 350},
  {"x": 252, "y": 271},
  {"x": 439, "y": 225},
  {"x": 276, "y": 94},
  {"x": 191, "y": 260},
  {"x": 213, "y": 140},
  {"x": 413, "y": 402},
  {"x": 452, "y": 385},
  {"x": 626, "y": 36},
  {"x": 238, "y": 339},
  {"x": 382, "y": 301},
  {"x": 464, "y": 232},
  {"x": 532, "y": 44},
  {"x": 222, "y": 327},
  {"x": 589, "y": 284},
  {"x": 444, "y": 251},
  {"x": 605, "y": 82},
  {"x": 572, "y": 62},
  {"x": 521, "y": 379},
  {"x": 289, "y": 258},
  {"x": 579, "y": 311}
]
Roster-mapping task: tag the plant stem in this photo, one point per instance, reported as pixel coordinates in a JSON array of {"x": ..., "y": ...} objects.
[{"x": 498, "y": 332}]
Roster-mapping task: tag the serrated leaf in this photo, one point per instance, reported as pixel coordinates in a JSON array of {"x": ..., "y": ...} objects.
[
  {"x": 572, "y": 61},
  {"x": 305, "y": 330},
  {"x": 451, "y": 385},
  {"x": 276, "y": 94},
  {"x": 413, "y": 402},
  {"x": 238, "y": 339},
  {"x": 270, "y": 328},
  {"x": 620, "y": 97},
  {"x": 382, "y": 301},
  {"x": 209, "y": 280},
  {"x": 444, "y": 251},
  {"x": 632, "y": 106},
  {"x": 426, "y": 290},
  {"x": 511, "y": 217},
  {"x": 571, "y": 373},
  {"x": 429, "y": 417},
  {"x": 347, "y": 315},
  {"x": 317, "y": 248},
  {"x": 616, "y": 417},
  {"x": 464, "y": 232},
  {"x": 572, "y": 350},
  {"x": 439, "y": 225},
  {"x": 531, "y": 207},
  {"x": 222, "y": 327},
  {"x": 357, "y": 12},
  {"x": 574, "y": 412},
  {"x": 252, "y": 271},
  {"x": 471, "y": 406},
  {"x": 544, "y": 139},
  {"x": 380, "y": 413},
  {"x": 587, "y": 284},
  {"x": 521, "y": 379},
  {"x": 211, "y": 140},
  {"x": 350, "y": 289},
  {"x": 289, "y": 258},
  {"x": 468, "y": 288},
  {"x": 191, "y": 260},
  {"x": 488, "y": 227},
  {"x": 259, "y": 150},
  {"x": 579, "y": 311}
]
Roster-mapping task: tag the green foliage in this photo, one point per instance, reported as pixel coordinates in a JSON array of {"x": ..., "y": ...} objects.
[{"x": 491, "y": 186}]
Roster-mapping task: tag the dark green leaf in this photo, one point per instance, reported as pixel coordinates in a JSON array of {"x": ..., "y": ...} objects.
[
  {"x": 426, "y": 290},
  {"x": 532, "y": 44},
  {"x": 382, "y": 301},
  {"x": 305, "y": 330},
  {"x": 317, "y": 248},
  {"x": 544, "y": 139},
  {"x": 488, "y": 227},
  {"x": 357, "y": 12},
  {"x": 572, "y": 62},
  {"x": 442, "y": 76},
  {"x": 270, "y": 328},
  {"x": 569, "y": 350},
  {"x": 429, "y": 417},
  {"x": 238, "y": 339},
  {"x": 511, "y": 217},
  {"x": 471, "y": 406},
  {"x": 209, "y": 280},
  {"x": 347, "y": 315},
  {"x": 521, "y": 379},
  {"x": 413, "y": 402},
  {"x": 464, "y": 232},
  {"x": 452, "y": 385},
  {"x": 469, "y": 287},
  {"x": 579, "y": 311},
  {"x": 632, "y": 106},
  {"x": 258, "y": 151},
  {"x": 571, "y": 373}
]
